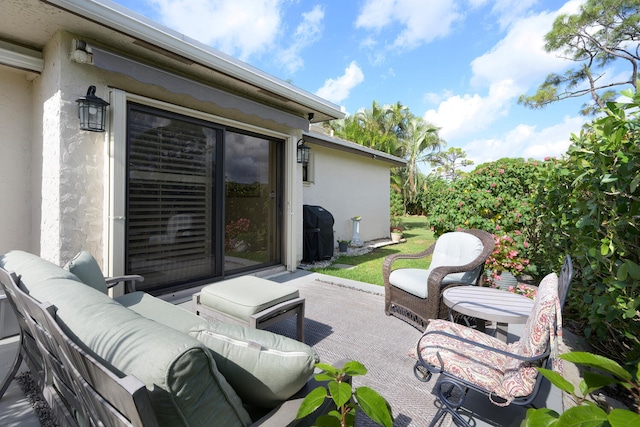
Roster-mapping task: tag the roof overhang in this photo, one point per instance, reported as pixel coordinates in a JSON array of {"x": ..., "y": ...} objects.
[
  {"x": 32, "y": 23},
  {"x": 352, "y": 148}
]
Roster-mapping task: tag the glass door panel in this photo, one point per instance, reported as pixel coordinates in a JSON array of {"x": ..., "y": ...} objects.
[
  {"x": 171, "y": 209},
  {"x": 252, "y": 201}
]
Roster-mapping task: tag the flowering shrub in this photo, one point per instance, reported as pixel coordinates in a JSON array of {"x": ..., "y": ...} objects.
[
  {"x": 233, "y": 230},
  {"x": 496, "y": 197},
  {"x": 506, "y": 256}
]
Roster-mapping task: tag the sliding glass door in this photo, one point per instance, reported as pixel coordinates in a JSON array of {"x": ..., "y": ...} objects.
[{"x": 203, "y": 201}]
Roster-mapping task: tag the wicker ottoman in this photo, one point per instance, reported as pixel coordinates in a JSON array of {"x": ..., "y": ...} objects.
[{"x": 252, "y": 301}]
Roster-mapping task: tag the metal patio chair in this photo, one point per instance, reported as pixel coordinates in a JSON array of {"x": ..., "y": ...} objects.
[{"x": 468, "y": 359}]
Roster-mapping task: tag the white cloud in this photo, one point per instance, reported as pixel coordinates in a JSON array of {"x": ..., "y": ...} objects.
[
  {"x": 420, "y": 21},
  {"x": 307, "y": 32},
  {"x": 526, "y": 141},
  {"x": 240, "y": 28},
  {"x": 337, "y": 90},
  {"x": 463, "y": 115},
  {"x": 520, "y": 55}
]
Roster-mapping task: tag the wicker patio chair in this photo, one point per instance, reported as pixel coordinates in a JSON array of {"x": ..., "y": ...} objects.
[
  {"x": 415, "y": 294},
  {"x": 468, "y": 359}
]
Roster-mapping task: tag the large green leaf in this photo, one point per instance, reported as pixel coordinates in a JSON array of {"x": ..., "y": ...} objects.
[
  {"x": 312, "y": 402},
  {"x": 595, "y": 381},
  {"x": 624, "y": 418},
  {"x": 599, "y": 362},
  {"x": 354, "y": 368},
  {"x": 542, "y": 417},
  {"x": 583, "y": 416},
  {"x": 374, "y": 405},
  {"x": 557, "y": 380},
  {"x": 340, "y": 392},
  {"x": 327, "y": 421}
]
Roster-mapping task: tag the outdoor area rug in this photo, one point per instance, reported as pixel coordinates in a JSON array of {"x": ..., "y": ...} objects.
[{"x": 346, "y": 323}]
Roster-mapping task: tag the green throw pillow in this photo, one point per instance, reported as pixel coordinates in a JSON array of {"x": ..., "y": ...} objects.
[{"x": 86, "y": 268}]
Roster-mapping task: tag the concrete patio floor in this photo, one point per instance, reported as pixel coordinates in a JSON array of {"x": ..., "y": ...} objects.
[{"x": 15, "y": 410}]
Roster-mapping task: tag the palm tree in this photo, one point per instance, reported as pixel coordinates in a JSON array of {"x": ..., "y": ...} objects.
[{"x": 421, "y": 141}]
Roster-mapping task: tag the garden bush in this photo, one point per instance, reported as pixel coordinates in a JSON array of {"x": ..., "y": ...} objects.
[
  {"x": 590, "y": 205},
  {"x": 496, "y": 197}
]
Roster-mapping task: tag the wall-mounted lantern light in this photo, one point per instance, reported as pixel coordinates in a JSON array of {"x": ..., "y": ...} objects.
[
  {"x": 92, "y": 111},
  {"x": 303, "y": 152}
]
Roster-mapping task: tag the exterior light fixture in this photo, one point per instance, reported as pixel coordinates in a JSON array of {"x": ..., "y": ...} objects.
[
  {"x": 92, "y": 111},
  {"x": 303, "y": 152}
]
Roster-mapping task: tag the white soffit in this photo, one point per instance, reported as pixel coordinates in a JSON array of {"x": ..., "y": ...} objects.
[{"x": 21, "y": 57}]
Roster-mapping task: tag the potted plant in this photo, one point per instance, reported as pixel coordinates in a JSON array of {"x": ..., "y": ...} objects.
[
  {"x": 505, "y": 263},
  {"x": 343, "y": 245},
  {"x": 396, "y": 230}
]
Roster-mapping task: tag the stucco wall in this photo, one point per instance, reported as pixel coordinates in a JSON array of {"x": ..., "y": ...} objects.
[
  {"x": 15, "y": 154},
  {"x": 349, "y": 185},
  {"x": 74, "y": 164}
]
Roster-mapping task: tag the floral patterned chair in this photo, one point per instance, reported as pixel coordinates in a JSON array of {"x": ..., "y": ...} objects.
[{"x": 467, "y": 359}]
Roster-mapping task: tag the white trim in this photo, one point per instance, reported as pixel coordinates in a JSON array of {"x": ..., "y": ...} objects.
[
  {"x": 21, "y": 57},
  {"x": 116, "y": 181}
]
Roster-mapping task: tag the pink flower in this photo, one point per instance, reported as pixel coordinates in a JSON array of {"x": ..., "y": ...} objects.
[
  {"x": 493, "y": 184},
  {"x": 501, "y": 170},
  {"x": 497, "y": 227},
  {"x": 518, "y": 232},
  {"x": 526, "y": 244},
  {"x": 460, "y": 204}
]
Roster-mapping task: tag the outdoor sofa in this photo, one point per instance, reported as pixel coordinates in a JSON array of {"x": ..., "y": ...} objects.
[{"x": 197, "y": 373}]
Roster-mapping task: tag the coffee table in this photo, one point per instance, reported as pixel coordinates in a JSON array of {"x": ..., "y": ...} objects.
[{"x": 491, "y": 304}]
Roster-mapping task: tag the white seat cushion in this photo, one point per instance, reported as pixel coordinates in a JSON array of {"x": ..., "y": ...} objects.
[{"x": 455, "y": 248}]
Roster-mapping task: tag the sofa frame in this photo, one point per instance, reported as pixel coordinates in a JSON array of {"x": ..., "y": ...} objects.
[{"x": 84, "y": 391}]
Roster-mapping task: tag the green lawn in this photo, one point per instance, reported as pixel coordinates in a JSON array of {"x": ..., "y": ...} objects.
[{"x": 368, "y": 268}]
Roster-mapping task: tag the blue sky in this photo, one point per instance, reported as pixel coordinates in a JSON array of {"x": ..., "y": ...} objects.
[{"x": 460, "y": 64}]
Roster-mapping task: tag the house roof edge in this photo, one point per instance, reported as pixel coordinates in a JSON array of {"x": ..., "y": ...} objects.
[
  {"x": 352, "y": 147},
  {"x": 120, "y": 18}
]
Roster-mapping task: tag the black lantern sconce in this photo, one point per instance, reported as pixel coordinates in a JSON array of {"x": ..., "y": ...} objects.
[
  {"x": 92, "y": 111},
  {"x": 303, "y": 152},
  {"x": 304, "y": 149}
]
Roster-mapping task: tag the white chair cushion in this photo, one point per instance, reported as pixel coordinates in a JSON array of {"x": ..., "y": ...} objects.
[{"x": 455, "y": 248}]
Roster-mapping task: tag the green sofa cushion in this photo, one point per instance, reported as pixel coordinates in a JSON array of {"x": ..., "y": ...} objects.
[
  {"x": 32, "y": 270},
  {"x": 185, "y": 387},
  {"x": 265, "y": 369},
  {"x": 86, "y": 268},
  {"x": 162, "y": 312},
  {"x": 244, "y": 296}
]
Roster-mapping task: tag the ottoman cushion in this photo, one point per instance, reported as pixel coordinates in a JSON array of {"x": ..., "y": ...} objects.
[{"x": 244, "y": 296}]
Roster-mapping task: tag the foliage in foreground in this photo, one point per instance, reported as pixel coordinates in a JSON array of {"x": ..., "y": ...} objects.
[
  {"x": 590, "y": 206},
  {"x": 587, "y": 413},
  {"x": 346, "y": 400}
]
